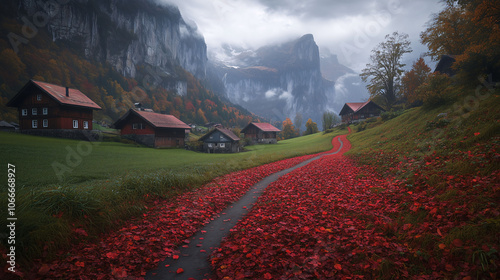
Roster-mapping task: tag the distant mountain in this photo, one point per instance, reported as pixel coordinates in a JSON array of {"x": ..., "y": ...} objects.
[{"x": 279, "y": 81}]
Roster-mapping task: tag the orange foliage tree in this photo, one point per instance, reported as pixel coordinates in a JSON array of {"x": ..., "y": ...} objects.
[
  {"x": 413, "y": 79},
  {"x": 470, "y": 30}
]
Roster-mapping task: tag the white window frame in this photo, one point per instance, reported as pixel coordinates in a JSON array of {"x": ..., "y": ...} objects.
[
  {"x": 45, "y": 111},
  {"x": 24, "y": 112},
  {"x": 45, "y": 123},
  {"x": 85, "y": 124},
  {"x": 39, "y": 97},
  {"x": 134, "y": 126},
  {"x": 34, "y": 123},
  {"x": 222, "y": 145},
  {"x": 34, "y": 111},
  {"x": 75, "y": 123}
]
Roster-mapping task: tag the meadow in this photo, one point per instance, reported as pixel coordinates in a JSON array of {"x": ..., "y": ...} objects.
[{"x": 103, "y": 184}]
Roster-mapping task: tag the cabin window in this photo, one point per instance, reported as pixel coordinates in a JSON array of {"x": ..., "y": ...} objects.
[
  {"x": 45, "y": 111},
  {"x": 24, "y": 112},
  {"x": 39, "y": 97},
  {"x": 138, "y": 126},
  {"x": 85, "y": 124},
  {"x": 210, "y": 145},
  {"x": 222, "y": 145},
  {"x": 75, "y": 123},
  {"x": 34, "y": 124},
  {"x": 34, "y": 111},
  {"x": 45, "y": 123}
]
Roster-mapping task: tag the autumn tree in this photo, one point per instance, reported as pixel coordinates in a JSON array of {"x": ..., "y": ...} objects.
[
  {"x": 383, "y": 74},
  {"x": 288, "y": 130},
  {"x": 469, "y": 30},
  {"x": 311, "y": 127},
  {"x": 413, "y": 79}
]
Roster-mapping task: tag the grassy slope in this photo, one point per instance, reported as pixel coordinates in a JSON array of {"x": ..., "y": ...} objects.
[
  {"x": 454, "y": 161},
  {"x": 111, "y": 182}
]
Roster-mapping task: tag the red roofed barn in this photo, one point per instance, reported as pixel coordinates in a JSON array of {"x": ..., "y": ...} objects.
[
  {"x": 152, "y": 129},
  {"x": 261, "y": 133},
  {"x": 358, "y": 111},
  {"x": 52, "y": 110}
]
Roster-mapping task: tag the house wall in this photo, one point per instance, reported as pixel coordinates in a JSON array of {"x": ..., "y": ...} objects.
[
  {"x": 58, "y": 116},
  {"x": 229, "y": 147},
  {"x": 128, "y": 129},
  {"x": 170, "y": 137},
  {"x": 259, "y": 136}
]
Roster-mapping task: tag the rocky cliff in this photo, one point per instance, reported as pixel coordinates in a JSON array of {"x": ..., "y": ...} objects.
[
  {"x": 277, "y": 81},
  {"x": 125, "y": 33}
]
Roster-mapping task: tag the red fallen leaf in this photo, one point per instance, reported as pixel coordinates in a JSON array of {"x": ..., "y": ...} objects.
[
  {"x": 458, "y": 243},
  {"x": 44, "y": 269},
  {"x": 80, "y": 264},
  {"x": 111, "y": 255},
  {"x": 442, "y": 246},
  {"x": 175, "y": 257},
  {"x": 449, "y": 267},
  {"x": 137, "y": 237},
  {"x": 268, "y": 276},
  {"x": 180, "y": 270},
  {"x": 467, "y": 278},
  {"x": 338, "y": 266},
  {"x": 119, "y": 272}
]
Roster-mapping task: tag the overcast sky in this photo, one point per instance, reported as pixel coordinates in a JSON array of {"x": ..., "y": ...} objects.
[{"x": 350, "y": 29}]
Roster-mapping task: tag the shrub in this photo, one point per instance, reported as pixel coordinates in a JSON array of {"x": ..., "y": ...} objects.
[{"x": 390, "y": 115}]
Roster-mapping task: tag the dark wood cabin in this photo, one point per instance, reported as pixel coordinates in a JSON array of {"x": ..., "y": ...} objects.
[
  {"x": 358, "y": 111},
  {"x": 52, "y": 110},
  {"x": 261, "y": 133},
  {"x": 445, "y": 65},
  {"x": 220, "y": 140},
  {"x": 152, "y": 129}
]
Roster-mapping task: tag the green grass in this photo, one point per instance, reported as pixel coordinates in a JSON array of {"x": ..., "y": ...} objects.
[
  {"x": 107, "y": 182},
  {"x": 35, "y": 158},
  {"x": 423, "y": 151}
]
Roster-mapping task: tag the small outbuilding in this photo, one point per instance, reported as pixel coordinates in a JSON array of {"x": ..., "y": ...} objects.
[
  {"x": 445, "y": 65},
  {"x": 262, "y": 133},
  {"x": 152, "y": 129},
  {"x": 5, "y": 126},
  {"x": 220, "y": 140},
  {"x": 359, "y": 111}
]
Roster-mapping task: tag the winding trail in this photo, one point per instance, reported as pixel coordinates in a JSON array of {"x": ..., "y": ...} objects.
[{"x": 193, "y": 257}]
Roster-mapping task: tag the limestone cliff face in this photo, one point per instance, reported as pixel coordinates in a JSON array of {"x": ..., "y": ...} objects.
[
  {"x": 278, "y": 81},
  {"x": 126, "y": 33}
]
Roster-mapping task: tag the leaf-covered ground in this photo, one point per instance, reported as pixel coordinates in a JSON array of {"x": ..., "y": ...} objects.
[
  {"x": 142, "y": 243},
  {"x": 335, "y": 219}
]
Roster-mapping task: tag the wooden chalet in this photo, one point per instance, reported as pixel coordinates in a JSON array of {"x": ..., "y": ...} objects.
[
  {"x": 445, "y": 65},
  {"x": 358, "y": 111},
  {"x": 264, "y": 133},
  {"x": 152, "y": 129},
  {"x": 220, "y": 140},
  {"x": 52, "y": 110}
]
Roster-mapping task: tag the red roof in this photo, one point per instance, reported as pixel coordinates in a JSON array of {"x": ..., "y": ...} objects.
[
  {"x": 355, "y": 106},
  {"x": 224, "y": 131},
  {"x": 266, "y": 127},
  {"x": 58, "y": 93},
  {"x": 155, "y": 119}
]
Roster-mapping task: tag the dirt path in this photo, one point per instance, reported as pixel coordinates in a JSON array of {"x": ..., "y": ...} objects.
[{"x": 193, "y": 258}]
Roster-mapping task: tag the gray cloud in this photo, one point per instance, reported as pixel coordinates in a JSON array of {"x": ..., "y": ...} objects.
[{"x": 350, "y": 29}]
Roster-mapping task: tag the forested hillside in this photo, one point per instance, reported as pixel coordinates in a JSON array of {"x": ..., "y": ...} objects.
[{"x": 62, "y": 63}]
